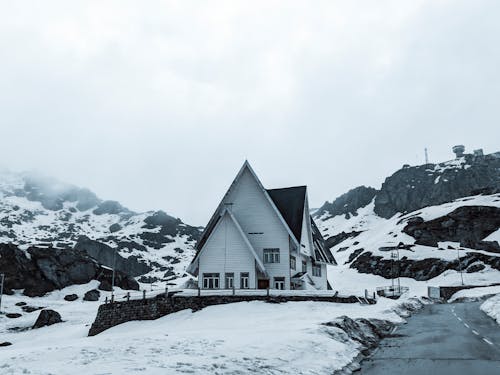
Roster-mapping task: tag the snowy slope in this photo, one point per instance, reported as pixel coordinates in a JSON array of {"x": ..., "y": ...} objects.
[
  {"x": 287, "y": 338},
  {"x": 35, "y": 210}
]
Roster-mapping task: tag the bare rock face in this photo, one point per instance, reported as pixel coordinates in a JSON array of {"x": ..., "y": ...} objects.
[
  {"x": 48, "y": 269},
  {"x": 47, "y": 318},
  {"x": 468, "y": 225},
  {"x": 412, "y": 188},
  {"x": 348, "y": 203},
  {"x": 92, "y": 295},
  {"x": 421, "y": 270},
  {"x": 108, "y": 256},
  {"x": 71, "y": 297}
]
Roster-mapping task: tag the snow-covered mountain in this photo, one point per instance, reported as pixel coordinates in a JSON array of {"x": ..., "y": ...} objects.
[
  {"x": 40, "y": 211},
  {"x": 432, "y": 214}
]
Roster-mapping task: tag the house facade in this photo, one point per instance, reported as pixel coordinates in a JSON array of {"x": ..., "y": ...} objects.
[{"x": 259, "y": 239}]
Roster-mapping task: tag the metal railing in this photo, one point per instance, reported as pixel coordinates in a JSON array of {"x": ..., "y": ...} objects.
[{"x": 392, "y": 291}]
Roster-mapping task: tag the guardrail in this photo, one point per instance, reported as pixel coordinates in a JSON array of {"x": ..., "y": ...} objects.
[{"x": 179, "y": 292}]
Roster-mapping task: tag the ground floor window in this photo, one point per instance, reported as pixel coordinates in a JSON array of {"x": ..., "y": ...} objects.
[
  {"x": 279, "y": 283},
  {"x": 229, "y": 280},
  {"x": 293, "y": 262},
  {"x": 244, "y": 277},
  {"x": 211, "y": 281},
  {"x": 316, "y": 270}
]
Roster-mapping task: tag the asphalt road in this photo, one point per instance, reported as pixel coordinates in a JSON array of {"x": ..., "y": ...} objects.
[{"x": 441, "y": 339}]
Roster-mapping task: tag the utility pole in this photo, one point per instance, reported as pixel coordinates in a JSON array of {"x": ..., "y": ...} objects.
[
  {"x": 460, "y": 265},
  {"x": 113, "y": 277},
  {"x": 426, "y": 156},
  {"x": 2, "y": 277}
]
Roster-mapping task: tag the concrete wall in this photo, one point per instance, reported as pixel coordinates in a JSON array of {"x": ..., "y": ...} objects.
[{"x": 112, "y": 314}]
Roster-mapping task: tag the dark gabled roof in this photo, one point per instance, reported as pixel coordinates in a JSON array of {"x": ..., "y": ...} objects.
[
  {"x": 290, "y": 203},
  {"x": 321, "y": 251}
]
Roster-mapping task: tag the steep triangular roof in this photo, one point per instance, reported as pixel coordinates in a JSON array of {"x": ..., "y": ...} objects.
[
  {"x": 290, "y": 203},
  {"x": 227, "y": 213},
  {"x": 213, "y": 221}
]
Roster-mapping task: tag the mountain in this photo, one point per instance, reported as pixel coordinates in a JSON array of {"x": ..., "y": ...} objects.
[
  {"x": 39, "y": 211},
  {"x": 431, "y": 214}
]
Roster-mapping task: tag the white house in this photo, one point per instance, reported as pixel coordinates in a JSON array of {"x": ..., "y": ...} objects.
[{"x": 260, "y": 238}]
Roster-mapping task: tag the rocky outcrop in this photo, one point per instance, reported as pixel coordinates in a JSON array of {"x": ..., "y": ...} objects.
[
  {"x": 420, "y": 270},
  {"x": 47, "y": 318},
  {"x": 468, "y": 225},
  {"x": 348, "y": 203},
  {"x": 92, "y": 295},
  {"x": 42, "y": 270},
  {"x": 71, "y": 297},
  {"x": 412, "y": 188},
  {"x": 108, "y": 256},
  {"x": 338, "y": 238}
]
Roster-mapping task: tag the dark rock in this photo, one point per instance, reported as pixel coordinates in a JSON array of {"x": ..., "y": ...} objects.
[
  {"x": 468, "y": 225},
  {"x": 115, "y": 227},
  {"x": 420, "y": 270},
  {"x": 475, "y": 268},
  {"x": 354, "y": 254},
  {"x": 47, "y": 318},
  {"x": 148, "y": 279},
  {"x": 92, "y": 295},
  {"x": 348, "y": 203},
  {"x": 71, "y": 297},
  {"x": 21, "y": 304},
  {"x": 30, "y": 309},
  {"x": 338, "y": 238},
  {"x": 410, "y": 189},
  {"x": 5, "y": 343},
  {"x": 49, "y": 269},
  {"x": 108, "y": 256},
  {"x": 13, "y": 315},
  {"x": 110, "y": 207}
]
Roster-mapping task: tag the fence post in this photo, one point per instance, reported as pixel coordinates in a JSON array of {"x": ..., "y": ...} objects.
[
  {"x": 233, "y": 290},
  {"x": 166, "y": 290},
  {"x": 199, "y": 291},
  {"x": 112, "y": 298},
  {"x": 106, "y": 300},
  {"x": 128, "y": 296},
  {"x": 144, "y": 294},
  {"x": 268, "y": 291}
]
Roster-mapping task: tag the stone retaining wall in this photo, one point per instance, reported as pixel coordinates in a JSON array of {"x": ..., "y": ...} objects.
[
  {"x": 112, "y": 314},
  {"x": 447, "y": 291}
]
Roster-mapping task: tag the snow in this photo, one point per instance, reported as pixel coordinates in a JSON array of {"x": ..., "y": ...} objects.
[
  {"x": 380, "y": 233},
  {"x": 475, "y": 293},
  {"x": 284, "y": 338},
  {"x": 492, "y": 307}
]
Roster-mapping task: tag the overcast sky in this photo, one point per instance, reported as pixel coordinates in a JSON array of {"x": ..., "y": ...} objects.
[{"x": 158, "y": 103}]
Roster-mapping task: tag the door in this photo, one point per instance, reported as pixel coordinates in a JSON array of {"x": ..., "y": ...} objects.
[{"x": 263, "y": 284}]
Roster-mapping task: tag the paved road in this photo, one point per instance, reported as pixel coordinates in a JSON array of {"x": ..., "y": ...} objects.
[{"x": 441, "y": 339}]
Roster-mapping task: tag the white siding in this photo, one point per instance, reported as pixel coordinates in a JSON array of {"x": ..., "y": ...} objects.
[
  {"x": 226, "y": 251},
  {"x": 256, "y": 215}
]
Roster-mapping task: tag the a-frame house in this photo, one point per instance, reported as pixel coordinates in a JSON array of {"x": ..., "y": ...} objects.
[{"x": 260, "y": 239}]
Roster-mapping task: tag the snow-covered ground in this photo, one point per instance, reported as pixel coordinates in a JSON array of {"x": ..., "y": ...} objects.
[
  {"x": 248, "y": 337},
  {"x": 474, "y": 293},
  {"x": 378, "y": 233},
  {"x": 492, "y": 307}
]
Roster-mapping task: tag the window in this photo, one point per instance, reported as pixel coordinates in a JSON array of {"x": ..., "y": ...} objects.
[
  {"x": 229, "y": 280},
  {"x": 210, "y": 281},
  {"x": 279, "y": 283},
  {"x": 244, "y": 276},
  {"x": 271, "y": 255},
  {"x": 293, "y": 262},
  {"x": 317, "y": 270},
  {"x": 304, "y": 266}
]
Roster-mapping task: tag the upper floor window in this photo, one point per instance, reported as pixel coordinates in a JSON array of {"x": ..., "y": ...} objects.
[
  {"x": 271, "y": 255},
  {"x": 304, "y": 266},
  {"x": 316, "y": 270},
  {"x": 293, "y": 262}
]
